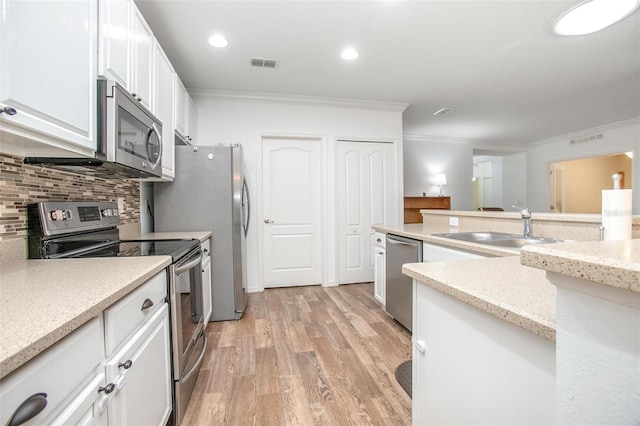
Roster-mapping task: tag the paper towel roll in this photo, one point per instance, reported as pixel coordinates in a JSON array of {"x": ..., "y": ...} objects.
[{"x": 616, "y": 214}]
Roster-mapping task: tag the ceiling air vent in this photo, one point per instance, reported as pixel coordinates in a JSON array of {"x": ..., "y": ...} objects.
[
  {"x": 584, "y": 139},
  {"x": 264, "y": 63}
]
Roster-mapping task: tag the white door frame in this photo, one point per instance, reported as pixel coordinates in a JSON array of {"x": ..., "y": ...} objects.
[
  {"x": 259, "y": 199},
  {"x": 334, "y": 246}
]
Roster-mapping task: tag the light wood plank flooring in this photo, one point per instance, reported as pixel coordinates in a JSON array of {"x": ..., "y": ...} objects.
[{"x": 304, "y": 356}]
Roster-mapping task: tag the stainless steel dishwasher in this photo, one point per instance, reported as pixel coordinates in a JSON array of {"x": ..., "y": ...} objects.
[{"x": 399, "y": 292}]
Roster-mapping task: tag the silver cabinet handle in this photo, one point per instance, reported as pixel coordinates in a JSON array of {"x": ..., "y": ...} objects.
[
  {"x": 146, "y": 304},
  {"x": 29, "y": 408},
  {"x": 401, "y": 243},
  {"x": 8, "y": 110},
  {"x": 107, "y": 389},
  {"x": 126, "y": 365}
]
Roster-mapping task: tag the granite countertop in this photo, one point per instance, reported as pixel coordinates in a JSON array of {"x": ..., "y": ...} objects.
[
  {"x": 612, "y": 263},
  {"x": 417, "y": 231},
  {"x": 500, "y": 286},
  {"x": 42, "y": 301},
  {"x": 202, "y": 236}
]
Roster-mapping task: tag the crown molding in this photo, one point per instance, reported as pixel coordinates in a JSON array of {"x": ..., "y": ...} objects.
[
  {"x": 231, "y": 95},
  {"x": 572, "y": 135},
  {"x": 440, "y": 139}
]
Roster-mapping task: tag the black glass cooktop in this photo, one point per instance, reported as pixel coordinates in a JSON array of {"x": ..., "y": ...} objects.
[{"x": 174, "y": 248}]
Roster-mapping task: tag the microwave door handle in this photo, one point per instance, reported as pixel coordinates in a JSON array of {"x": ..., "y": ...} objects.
[{"x": 154, "y": 129}]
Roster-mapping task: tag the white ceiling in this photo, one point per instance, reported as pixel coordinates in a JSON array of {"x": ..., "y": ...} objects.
[{"x": 509, "y": 79}]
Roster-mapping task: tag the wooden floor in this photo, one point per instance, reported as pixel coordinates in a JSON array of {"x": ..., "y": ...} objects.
[{"x": 304, "y": 356}]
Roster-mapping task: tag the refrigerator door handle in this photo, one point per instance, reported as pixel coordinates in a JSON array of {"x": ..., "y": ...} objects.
[{"x": 245, "y": 191}]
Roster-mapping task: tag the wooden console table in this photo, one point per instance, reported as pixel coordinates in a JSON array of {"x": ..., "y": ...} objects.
[{"x": 413, "y": 205}]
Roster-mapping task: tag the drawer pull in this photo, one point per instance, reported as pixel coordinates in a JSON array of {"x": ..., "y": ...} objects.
[
  {"x": 107, "y": 389},
  {"x": 126, "y": 365},
  {"x": 29, "y": 408},
  {"x": 146, "y": 304},
  {"x": 8, "y": 110}
]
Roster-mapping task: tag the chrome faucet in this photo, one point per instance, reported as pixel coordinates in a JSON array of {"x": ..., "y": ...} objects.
[{"x": 525, "y": 214}]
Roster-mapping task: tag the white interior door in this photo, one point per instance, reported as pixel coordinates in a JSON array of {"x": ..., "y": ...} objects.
[
  {"x": 367, "y": 195},
  {"x": 292, "y": 189}
]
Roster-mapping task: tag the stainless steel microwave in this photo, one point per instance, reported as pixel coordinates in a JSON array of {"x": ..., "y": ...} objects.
[
  {"x": 128, "y": 133},
  {"x": 129, "y": 139}
]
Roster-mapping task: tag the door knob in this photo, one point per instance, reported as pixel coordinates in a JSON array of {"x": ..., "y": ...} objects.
[{"x": 268, "y": 221}]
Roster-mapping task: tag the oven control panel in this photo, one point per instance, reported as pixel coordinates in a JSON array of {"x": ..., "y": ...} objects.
[{"x": 58, "y": 217}]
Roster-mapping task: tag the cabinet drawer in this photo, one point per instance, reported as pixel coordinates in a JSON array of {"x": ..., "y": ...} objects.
[
  {"x": 60, "y": 372},
  {"x": 124, "y": 317}
]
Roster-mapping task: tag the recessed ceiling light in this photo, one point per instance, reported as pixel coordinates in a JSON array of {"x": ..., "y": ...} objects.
[
  {"x": 217, "y": 40},
  {"x": 593, "y": 15},
  {"x": 349, "y": 54}
]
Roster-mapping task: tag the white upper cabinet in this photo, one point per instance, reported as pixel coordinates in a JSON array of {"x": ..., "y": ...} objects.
[
  {"x": 47, "y": 82},
  {"x": 192, "y": 120},
  {"x": 185, "y": 113},
  {"x": 164, "y": 110},
  {"x": 181, "y": 108},
  {"x": 142, "y": 49},
  {"x": 113, "y": 36},
  {"x": 127, "y": 49}
]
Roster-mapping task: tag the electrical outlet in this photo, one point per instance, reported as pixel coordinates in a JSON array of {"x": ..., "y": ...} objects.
[
  {"x": 453, "y": 221},
  {"x": 120, "y": 204}
]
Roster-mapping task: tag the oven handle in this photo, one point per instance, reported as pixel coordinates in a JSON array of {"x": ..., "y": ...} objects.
[
  {"x": 77, "y": 252},
  {"x": 198, "y": 363},
  {"x": 185, "y": 267}
]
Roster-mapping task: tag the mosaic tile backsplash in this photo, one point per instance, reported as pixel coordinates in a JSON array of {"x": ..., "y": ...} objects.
[{"x": 22, "y": 184}]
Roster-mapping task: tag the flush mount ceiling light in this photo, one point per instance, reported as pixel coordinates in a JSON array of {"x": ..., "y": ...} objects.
[
  {"x": 217, "y": 40},
  {"x": 593, "y": 15},
  {"x": 349, "y": 54}
]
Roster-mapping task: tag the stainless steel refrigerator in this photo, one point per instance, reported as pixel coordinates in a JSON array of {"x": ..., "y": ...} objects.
[{"x": 209, "y": 193}]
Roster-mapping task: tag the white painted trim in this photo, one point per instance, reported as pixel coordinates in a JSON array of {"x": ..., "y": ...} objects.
[
  {"x": 441, "y": 139},
  {"x": 231, "y": 95},
  {"x": 584, "y": 132}
]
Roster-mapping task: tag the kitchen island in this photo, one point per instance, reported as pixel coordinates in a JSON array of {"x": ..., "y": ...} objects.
[{"x": 485, "y": 334}]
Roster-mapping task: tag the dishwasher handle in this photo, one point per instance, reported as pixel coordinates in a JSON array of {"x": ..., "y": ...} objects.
[{"x": 392, "y": 241}]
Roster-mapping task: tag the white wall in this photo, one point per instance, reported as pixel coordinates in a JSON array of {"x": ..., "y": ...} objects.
[
  {"x": 617, "y": 138},
  {"x": 514, "y": 180},
  {"x": 496, "y": 179},
  {"x": 425, "y": 157},
  {"x": 232, "y": 119}
]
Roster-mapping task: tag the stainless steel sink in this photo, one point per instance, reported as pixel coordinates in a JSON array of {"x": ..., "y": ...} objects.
[
  {"x": 498, "y": 239},
  {"x": 478, "y": 237},
  {"x": 521, "y": 242}
]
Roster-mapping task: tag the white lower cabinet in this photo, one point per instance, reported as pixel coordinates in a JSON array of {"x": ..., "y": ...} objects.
[
  {"x": 470, "y": 367},
  {"x": 206, "y": 288},
  {"x": 379, "y": 267},
  {"x": 436, "y": 253},
  {"x": 141, "y": 374},
  {"x": 51, "y": 385},
  {"x": 379, "y": 275},
  {"x": 79, "y": 381}
]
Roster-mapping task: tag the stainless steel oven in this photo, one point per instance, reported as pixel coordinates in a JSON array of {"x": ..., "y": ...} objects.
[
  {"x": 58, "y": 230},
  {"x": 189, "y": 339}
]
